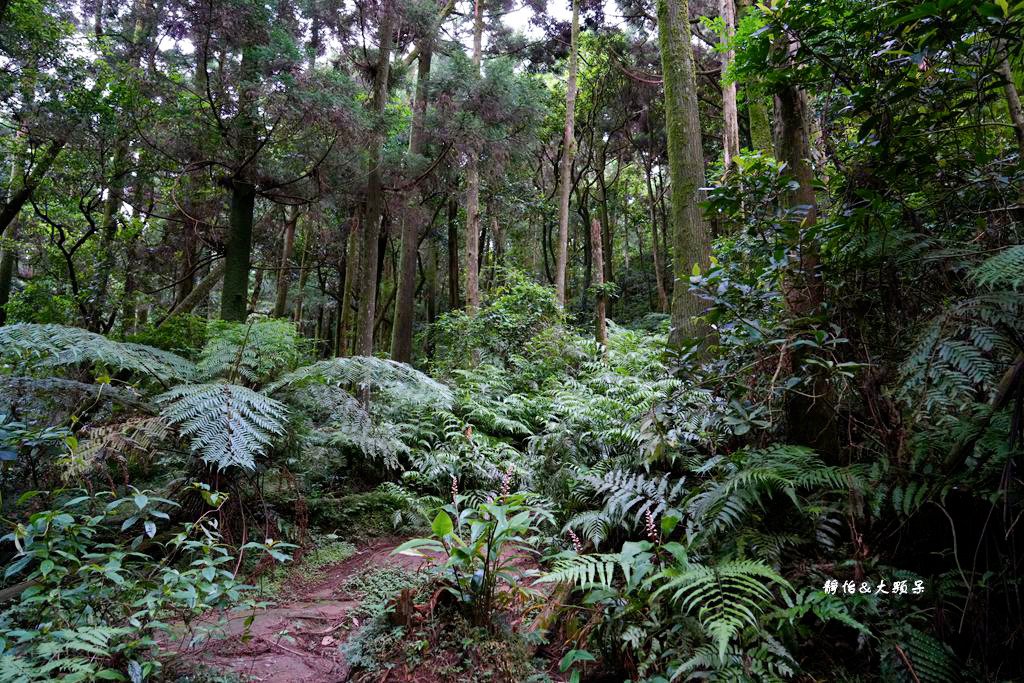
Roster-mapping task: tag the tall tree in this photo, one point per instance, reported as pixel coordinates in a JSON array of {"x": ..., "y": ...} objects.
[
  {"x": 401, "y": 331},
  {"x": 809, "y": 415},
  {"x": 370, "y": 248},
  {"x": 242, "y": 185},
  {"x": 601, "y": 303},
  {"x": 730, "y": 114},
  {"x": 690, "y": 238},
  {"x": 568, "y": 153},
  {"x": 473, "y": 183},
  {"x": 284, "y": 275}
]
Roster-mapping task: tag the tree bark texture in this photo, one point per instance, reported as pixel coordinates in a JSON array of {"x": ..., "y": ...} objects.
[
  {"x": 690, "y": 239},
  {"x": 568, "y": 153}
]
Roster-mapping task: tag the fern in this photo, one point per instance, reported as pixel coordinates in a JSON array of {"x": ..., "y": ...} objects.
[
  {"x": 400, "y": 382},
  {"x": 586, "y": 571},
  {"x": 726, "y": 597},
  {"x": 118, "y": 443},
  {"x": 50, "y": 346},
  {"x": 256, "y": 352},
  {"x": 1005, "y": 269},
  {"x": 226, "y": 424}
]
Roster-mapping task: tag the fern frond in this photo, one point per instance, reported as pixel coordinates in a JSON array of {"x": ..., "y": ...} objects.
[
  {"x": 726, "y": 597},
  {"x": 399, "y": 381},
  {"x": 226, "y": 424},
  {"x": 257, "y": 351},
  {"x": 50, "y": 346}
]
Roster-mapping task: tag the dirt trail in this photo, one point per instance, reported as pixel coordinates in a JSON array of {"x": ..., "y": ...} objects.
[{"x": 299, "y": 638}]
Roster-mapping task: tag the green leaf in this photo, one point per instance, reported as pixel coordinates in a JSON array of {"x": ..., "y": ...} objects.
[
  {"x": 442, "y": 525},
  {"x": 573, "y": 656},
  {"x": 16, "y": 567},
  {"x": 46, "y": 567},
  {"x": 141, "y": 500},
  {"x": 410, "y": 546}
]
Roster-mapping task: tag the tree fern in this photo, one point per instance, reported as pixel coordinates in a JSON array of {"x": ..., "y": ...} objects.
[
  {"x": 399, "y": 381},
  {"x": 256, "y": 352},
  {"x": 226, "y": 424},
  {"x": 50, "y": 346}
]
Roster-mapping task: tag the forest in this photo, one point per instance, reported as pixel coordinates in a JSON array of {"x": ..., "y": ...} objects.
[{"x": 496, "y": 341}]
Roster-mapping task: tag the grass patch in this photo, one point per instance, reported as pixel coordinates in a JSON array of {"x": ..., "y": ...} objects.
[{"x": 326, "y": 552}]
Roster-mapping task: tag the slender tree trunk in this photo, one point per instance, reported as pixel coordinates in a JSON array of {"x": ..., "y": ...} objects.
[
  {"x": 659, "y": 268},
  {"x": 257, "y": 290},
  {"x": 568, "y": 153},
  {"x": 730, "y": 115},
  {"x": 401, "y": 332},
  {"x": 809, "y": 414},
  {"x": 499, "y": 247},
  {"x": 284, "y": 271},
  {"x": 348, "y": 294},
  {"x": 198, "y": 294},
  {"x": 690, "y": 241},
  {"x": 606, "y": 232},
  {"x": 300, "y": 295},
  {"x": 601, "y": 307},
  {"x": 374, "y": 191},
  {"x": 430, "y": 275},
  {"x": 238, "y": 250},
  {"x": 8, "y": 264},
  {"x": 189, "y": 257},
  {"x": 1012, "y": 100},
  {"x": 758, "y": 121},
  {"x": 453, "y": 254},
  {"x": 473, "y": 183},
  {"x": 108, "y": 231}
]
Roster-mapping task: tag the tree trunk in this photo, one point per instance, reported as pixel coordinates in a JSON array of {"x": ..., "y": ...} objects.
[
  {"x": 284, "y": 271},
  {"x": 730, "y": 116},
  {"x": 8, "y": 263},
  {"x": 606, "y": 231},
  {"x": 374, "y": 191},
  {"x": 200, "y": 292},
  {"x": 568, "y": 152},
  {"x": 1012, "y": 100},
  {"x": 809, "y": 415},
  {"x": 473, "y": 184},
  {"x": 401, "y": 333},
  {"x": 342, "y": 347},
  {"x": 300, "y": 295},
  {"x": 108, "y": 230},
  {"x": 430, "y": 276},
  {"x": 601, "y": 307},
  {"x": 189, "y": 257},
  {"x": 238, "y": 250},
  {"x": 453, "y": 254},
  {"x": 758, "y": 121},
  {"x": 690, "y": 237},
  {"x": 659, "y": 268}
]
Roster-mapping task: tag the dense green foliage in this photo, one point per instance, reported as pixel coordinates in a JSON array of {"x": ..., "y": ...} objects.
[{"x": 269, "y": 291}]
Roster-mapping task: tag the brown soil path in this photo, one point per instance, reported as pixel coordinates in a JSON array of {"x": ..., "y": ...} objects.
[{"x": 299, "y": 638}]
